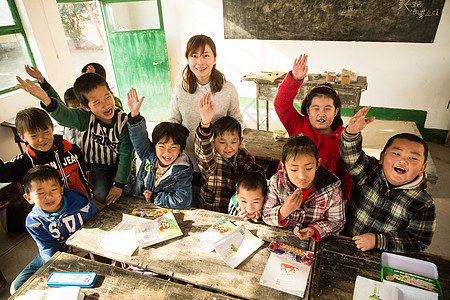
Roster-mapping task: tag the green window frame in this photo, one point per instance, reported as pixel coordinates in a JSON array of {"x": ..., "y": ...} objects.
[{"x": 17, "y": 28}]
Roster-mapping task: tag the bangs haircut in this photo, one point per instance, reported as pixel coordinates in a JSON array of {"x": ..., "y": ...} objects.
[
  {"x": 217, "y": 79},
  {"x": 225, "y": 124},
  {"x": 40, "y": 173},
  {"x": 299, "y": 144},
  {"x": 69, "y": 97},
  {"x": 32, "y": 119},
  {"x": 166, "y": 130},
  {"x": 86, "y": 83},
  {"x": 98, "y": 69},
  {"x": 328, "y": 91},
  {"x": 410, "y": 137},
  {"x": 252, "y": 181}
]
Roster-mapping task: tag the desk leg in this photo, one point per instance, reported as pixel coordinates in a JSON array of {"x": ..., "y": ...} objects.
[
  {"x": 267, "y": 115},
  {"x": 3, "y": 282},
  {"x": 16, "y": 135},
  {"x": 257, "y": 106},
  {"x": 358, "y": 99}
]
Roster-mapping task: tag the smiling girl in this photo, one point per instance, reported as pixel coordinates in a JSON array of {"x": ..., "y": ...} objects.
[
  {"x": 303, "y": 194},
  {"x": 320, "y": 118}
]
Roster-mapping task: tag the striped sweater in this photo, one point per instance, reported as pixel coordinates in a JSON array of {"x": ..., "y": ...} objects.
[{"x": 101, "y": 143}]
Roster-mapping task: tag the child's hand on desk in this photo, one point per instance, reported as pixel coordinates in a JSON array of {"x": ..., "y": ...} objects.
[
  {"x": 365, "y": 241},
  {"x": 134, "y": 104},
  {"x": 291, "y": 204},
  {"x": 147, "y": 194},
  {"x": 299, "y": 69},
  {"x": 207, "y": 108},
  {"x": 113, "y": 195},
  {"x": 34, "y": 90},
  {"x": 35, "y": 73},
  {"x": 304, "y": 233},
  {"x": 359, "y": 121}
]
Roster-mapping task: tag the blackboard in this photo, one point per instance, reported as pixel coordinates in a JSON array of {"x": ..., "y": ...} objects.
[{"x": 333, "y": 20}]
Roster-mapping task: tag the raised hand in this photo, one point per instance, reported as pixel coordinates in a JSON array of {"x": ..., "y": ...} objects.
[
  {"x": 35, "y": 73},
  {"x": 90, "y": 69},
  {"x": 291, "y": 204},
  {"x": 134, "y": 104},
  {"x": 34, "y": 90},
  {"x": 299, "y": 69},
  {"x": 304, "y": 233},
  {"x": 359, "y": 121},
  {"x": 207, "y": 108}
]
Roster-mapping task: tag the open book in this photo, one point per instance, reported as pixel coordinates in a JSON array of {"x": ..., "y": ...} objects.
[
  {"x": 135, "y": 231},
  {"x": 286, "y": 275},
  {"x": 214, "y": 233},
  {"x": 237, "y": 245}
]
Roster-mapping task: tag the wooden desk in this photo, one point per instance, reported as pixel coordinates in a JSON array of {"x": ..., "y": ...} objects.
[
  {"x": 181, "y": 258},
  {"x": 350, "y": 94},
  {"x": 338, "y": 262},
  {"x": 113, "y": 283},
  {"x": 10, "y": 123}
]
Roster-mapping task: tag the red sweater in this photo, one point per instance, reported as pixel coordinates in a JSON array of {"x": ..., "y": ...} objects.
[{"x": 295, "y": 123}]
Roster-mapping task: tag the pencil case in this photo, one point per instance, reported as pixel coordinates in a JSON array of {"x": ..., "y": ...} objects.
[{"x": 410, "y": 271}]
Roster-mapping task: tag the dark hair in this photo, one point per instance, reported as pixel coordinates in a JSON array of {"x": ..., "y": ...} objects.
[
  {"x": 325, "y": 90},
  {"x": 224, "y": 124},
  {"x": 166, "y": 130},
  {"x": 252, "y": 181},
  {"x": 410, "y": 137},
  {"x": 69, "y": 97},
  {"x": 299, "y": 144},
  {"x": 40, "y": 173},
  {"x": 86, "y": 83},
  {"x": 217, "y": 79},
  {"x": 98, "y": 69},
  {"x": 31, "y": 119}
]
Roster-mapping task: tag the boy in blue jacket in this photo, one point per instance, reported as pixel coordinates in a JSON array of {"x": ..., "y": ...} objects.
[
  {"x": 165, "y": 175},
  {"x": 56, "y": 215}
]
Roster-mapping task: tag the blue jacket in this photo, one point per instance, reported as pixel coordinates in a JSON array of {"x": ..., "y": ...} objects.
[
  {"x": 51, "y": 233},
  {"x": 174, "y": 189}
]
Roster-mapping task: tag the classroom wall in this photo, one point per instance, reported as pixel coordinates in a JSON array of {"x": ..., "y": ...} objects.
[{"x": 400, "y": 75}]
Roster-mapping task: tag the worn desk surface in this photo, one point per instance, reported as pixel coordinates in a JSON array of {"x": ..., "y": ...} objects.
[
  {"x": 181, "y": 258},
  {"x": 260, "y": 143},
  {"x": 113, "y": 283},
  {"x": 266, "y": 90},
  {"x": 338, "y": 262}
]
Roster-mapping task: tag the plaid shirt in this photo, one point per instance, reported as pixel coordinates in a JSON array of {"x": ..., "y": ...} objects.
[
  {"x": 219, "y": 174},
  {"x": 403, "y": 216},
  {"x": 323, "y": 210}
]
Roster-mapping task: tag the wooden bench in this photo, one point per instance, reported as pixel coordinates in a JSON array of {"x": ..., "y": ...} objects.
[{"x": 113, "y": 282}]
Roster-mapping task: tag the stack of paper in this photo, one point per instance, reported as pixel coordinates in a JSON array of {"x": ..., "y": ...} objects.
[
  {"x": 135, "y": 231},
  {"x": 66, "y": 293},
  {"x": 150, "y": 213},
  {"x": 286, "y": 275}
]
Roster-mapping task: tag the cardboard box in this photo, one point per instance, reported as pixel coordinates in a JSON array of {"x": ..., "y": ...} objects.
[{"x": 345, "y": 79}]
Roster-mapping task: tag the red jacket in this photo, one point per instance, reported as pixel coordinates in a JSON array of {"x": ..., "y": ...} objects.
[{"x": 295, "y": 123}]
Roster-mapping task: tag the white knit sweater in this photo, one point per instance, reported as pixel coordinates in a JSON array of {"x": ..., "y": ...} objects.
[{"x": 184, "y": 110}]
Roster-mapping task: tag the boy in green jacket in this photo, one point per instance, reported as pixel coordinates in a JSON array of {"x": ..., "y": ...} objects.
[{"x": 105, "y": 144}]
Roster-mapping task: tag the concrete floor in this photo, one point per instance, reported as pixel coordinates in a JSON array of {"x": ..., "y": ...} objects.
[{"x": 17, "y": 250}]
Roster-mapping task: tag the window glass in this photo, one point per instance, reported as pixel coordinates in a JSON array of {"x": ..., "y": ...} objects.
[{"x": 5, "y": 14}]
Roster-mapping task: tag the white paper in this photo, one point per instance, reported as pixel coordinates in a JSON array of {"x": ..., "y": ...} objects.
[
  {"x": 285, "y": 275},
  {"x": 66, "y": 293},
  {"x": 121, "y": 239},
  {"x": 158, "y": 230},
  {"x": 214, "y": 233},
  {"x": 407, "y": 292},
  {"x": 237, "y": 245},
  {"x": 365, "y": 288}
]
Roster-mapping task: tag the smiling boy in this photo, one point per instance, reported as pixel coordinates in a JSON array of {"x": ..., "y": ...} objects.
[
  {"x": 105, "y": 143},
  {"x": 220, "y": 156},
  {"x": 388, "y": 208}
]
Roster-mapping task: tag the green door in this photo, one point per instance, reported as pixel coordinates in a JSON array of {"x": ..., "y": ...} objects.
[{"x": 137, "y": 46}]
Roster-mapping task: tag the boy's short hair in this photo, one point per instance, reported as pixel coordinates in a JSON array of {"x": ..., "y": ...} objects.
[
  {"x": 299, "y": 144},
  {"x": 40, "y": 173},
  {"x": 226, "y": 124},
  {"x": 32, "y": 119},
  {"x": 167, "y": 130},
  {"x": 410, "y": 137},
  {"x": 69, "y": 97},
  {"x": 86, "y": 83},
  {"x": 252, "y": 181},
  {"x": 98, "y": 69}
]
